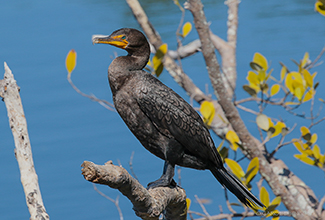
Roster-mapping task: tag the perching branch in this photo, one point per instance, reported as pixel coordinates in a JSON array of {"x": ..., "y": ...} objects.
[
  {"x": 147, "y": 204},
  {"x": 9, "y": 91}
]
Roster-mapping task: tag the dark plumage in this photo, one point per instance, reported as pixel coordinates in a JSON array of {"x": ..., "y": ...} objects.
[{"x": 163, "y": 122}]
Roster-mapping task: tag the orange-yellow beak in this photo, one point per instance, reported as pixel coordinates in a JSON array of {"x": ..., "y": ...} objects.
[{"x": 116, "y": 41}]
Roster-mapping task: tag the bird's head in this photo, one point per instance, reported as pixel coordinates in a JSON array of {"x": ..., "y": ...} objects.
[{"x": 129, "y": 39}]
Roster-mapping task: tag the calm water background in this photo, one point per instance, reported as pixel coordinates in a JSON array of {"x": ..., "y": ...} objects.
[{"x": 65, "y": 129}]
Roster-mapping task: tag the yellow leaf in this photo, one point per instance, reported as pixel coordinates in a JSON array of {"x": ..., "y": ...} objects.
[
  {"x": 264, "y": 197},
  {"x": 70, "y": 61},
  {"x": 260, "y": 60},
  {"x": 252, "y": 78},
  {"x": 309, "y": 95},
  {"x": 187, "y": 27},
  {"x": 283, "y": 72},
  {"x": 262, "y": 122},
  {"x": 298, "y": 93},
  {"x": 275, "y": 215},
  {"x": 233, "y": 138},
  {"x": 308, "y": 78},
  {"x": 157, "y": 59},
  {"x": 304, "y": 130},
  {"x": 163, "y": 48},
  {"x": 292, "y": 103},
  {"x": 320, "y": 8},
  {"x": 305, "y": 59},
  {"x": 278, "y": 128},
  {"x": 316, "y": 152},
  {"x": 276, "y": 201},
  {"x": 313, "y": 139},
  {"x": 288, "y": 83},
  {"x": 252, "y": 170},
  {"x": 304, "y": 158},
  {"x": 208, "y": 111},
  {"x": 149, "y": 63},
  {"x": 298, "y": 144},
  {"x": 261, "y": 75},
  {"x": 275, "y": 89},
  {"x": 307, "y": 149},
  {"x": 294, "y": 83},
  {"x": 188, "y": 203},
  {"x": 235, "y": 168},
  {"x": 322, "y": 160}
]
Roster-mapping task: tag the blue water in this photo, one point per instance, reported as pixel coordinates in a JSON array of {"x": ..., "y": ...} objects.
[{"x": 65, "y": 128}]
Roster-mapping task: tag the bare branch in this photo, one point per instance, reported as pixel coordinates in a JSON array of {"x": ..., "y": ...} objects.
[
  {"x": 115, "y": 201},
  {"x": 9, "y": 91},
  {"x": 320, "y": 209},
  {"x": 102, "y": 102},
  {"x": 298, "y": 210},
  {"x": 147, "y": 204},
  {"x": 202, "y": 207}
]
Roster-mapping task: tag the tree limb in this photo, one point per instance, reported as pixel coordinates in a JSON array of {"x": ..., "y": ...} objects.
[
  {"x": 302, "y": 209},
  {"x": 9, "y": 91},
  {"x": 147, "y": 204}
]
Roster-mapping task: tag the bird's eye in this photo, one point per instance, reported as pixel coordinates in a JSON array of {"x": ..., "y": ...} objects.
[{"x": 124, "y": 37}]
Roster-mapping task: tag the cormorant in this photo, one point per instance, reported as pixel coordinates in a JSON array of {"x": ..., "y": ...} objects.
[{"x": 164, "y": 123}]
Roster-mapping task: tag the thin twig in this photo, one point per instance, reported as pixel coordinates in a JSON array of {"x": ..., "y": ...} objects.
[
  {"x": 102, "y": 102},
  {"x": 228, "y": 203},
  {"x": 317, "y": 58},
  {"x": 116, "y": 201},
  {"x": 202, "y": 207},
  {"x": 281, "y": 144},
  {"x": 131, "y": 166}
]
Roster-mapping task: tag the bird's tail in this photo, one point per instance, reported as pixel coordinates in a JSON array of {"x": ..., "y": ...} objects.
[{"x": 236, "y": 187}]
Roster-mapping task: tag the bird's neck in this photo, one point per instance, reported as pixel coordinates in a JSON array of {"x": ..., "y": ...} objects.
[{"x": 120, "y": 70}]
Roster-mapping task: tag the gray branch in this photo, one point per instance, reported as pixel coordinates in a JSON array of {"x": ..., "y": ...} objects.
[
  {"x": 9, "y": 91},
  {"x": 147, "y": 204}
]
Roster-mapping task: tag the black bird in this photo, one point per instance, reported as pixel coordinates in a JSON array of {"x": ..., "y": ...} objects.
[{"x": 164, "y": 123}]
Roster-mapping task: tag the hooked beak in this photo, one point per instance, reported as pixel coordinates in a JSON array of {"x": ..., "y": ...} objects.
[{"x": 116, "y": 41}]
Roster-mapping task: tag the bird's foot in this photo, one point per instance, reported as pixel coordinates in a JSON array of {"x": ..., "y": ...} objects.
[{"x": 162, "y": 182}]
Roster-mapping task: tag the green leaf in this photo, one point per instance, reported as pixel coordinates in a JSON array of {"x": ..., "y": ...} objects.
[
  {"x": 270, "y": 132},
  {"x": 255, "y": 66},
  {"x": 250, "y": 90},
  {"x": 224, "y": 153}
]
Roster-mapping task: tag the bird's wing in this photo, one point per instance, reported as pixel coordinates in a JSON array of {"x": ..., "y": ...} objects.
[{"x": 175, "y": 118}]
